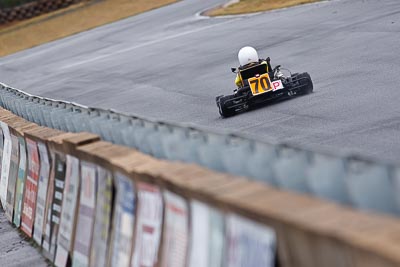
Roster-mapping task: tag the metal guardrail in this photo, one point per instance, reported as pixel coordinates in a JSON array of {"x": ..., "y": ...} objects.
[{"x": 346, "y": 179}]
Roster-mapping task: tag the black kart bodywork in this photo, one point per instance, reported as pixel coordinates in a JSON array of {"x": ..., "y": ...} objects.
[{"x": 244, "y": 98}]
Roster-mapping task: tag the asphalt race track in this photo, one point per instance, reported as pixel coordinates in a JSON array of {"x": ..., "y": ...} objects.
[
  {"x": 15, "y": 250},
  {"x": 170, "y": 64}
]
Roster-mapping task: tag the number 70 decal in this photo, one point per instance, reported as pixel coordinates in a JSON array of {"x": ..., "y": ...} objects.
[{"x": 262, "y": 84}]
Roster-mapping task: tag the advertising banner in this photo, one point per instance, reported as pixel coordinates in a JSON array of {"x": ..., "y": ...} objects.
[
  {"x": 249, "y": 243},
  {"x": 31, "y": 187},
  {"x": 84, "y": 227},
  {"x": 5, "y": 163},
  {"x": 123, "y": 224},
  {"x": 200, "y": 234},
  {"x": 68, "y": 213},
  {"x": 20, "y": 187},
  {"x": 206, "y": 237},
  {"x": 217, "y": 238},
  {"x": 12, "y": 179},
  {"x": 42, "y": 192},
  {"x": 1, "y": 149},
  {"x": 176, "y": 230},
  {"x": 48, "y": 207},
  {"x": 102, "y": 223},
  {"x": 148, "y": 226},
  {"x": 54, "y": 212}
]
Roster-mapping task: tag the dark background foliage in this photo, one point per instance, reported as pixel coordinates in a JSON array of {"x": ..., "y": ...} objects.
[{"x": 12, "y": 3}]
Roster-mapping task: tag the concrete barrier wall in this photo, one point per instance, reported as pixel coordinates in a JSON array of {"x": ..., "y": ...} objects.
[{"x": 88, "y": 202}]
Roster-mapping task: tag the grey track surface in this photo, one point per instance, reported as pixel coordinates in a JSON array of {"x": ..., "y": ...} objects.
[
  {"x": 170, "y": 64},
  {"x": 15, "y": 251}
]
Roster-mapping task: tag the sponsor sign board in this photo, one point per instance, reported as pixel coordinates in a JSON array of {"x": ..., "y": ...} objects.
[
  {"x": 12, "y": 180},
  {"x": 123, "y": 224},
  {"x": 56, "y": 190},
  {"x": 249, "y": 243},
  {"x": 200, "y": 234},
  {"x": 102, "y": 222},
  {"x": 84, "y": 227},
  {"x": 1, "y": 148},
  {"x": 42, "y": 192},
  {"x": 148, "y": 226},
  {"x": 207, "y": 236},
  {"x": 67, "y": 223},
  {"x": 47, "y": 213},
  {"x": 20, "y": 186},
  {"x": 217, "y": 238},
  {"x": 31, "y": 187},
  {"x": 176, "y": 230},
  {"x": 5, "y": 163}
]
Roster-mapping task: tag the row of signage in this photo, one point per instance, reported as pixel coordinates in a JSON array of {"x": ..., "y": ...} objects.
[{"x": 81, "y": 213}]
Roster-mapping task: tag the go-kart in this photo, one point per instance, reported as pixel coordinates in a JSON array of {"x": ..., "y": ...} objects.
[{"x": 261, "y": 87}]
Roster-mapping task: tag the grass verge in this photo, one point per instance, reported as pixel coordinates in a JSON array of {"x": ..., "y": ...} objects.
[
  {"x": 251, "y": 6},
  {"x": 77, "y": 18}
]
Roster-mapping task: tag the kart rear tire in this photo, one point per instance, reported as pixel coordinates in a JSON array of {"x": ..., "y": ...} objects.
[
  {"x": 305, "y": 80},
  {"x": 224, "y": 111}
]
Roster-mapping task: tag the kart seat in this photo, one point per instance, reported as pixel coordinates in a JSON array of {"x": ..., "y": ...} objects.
[{"x": 252, "y": 71}]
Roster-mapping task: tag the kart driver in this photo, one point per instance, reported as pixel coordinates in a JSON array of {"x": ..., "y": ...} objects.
[{"x": 248, "y": 57}]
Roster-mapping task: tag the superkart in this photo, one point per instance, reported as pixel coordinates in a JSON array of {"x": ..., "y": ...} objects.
[{"x": 261, "y": 87}]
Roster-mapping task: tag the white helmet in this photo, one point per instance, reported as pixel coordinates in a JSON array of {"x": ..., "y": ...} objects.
[{"x": 247, "y": 55}]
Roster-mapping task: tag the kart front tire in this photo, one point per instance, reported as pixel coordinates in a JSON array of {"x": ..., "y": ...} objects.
[
  {"x": 224, "y": 110},
  {"x": 305, "y": 80}
]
